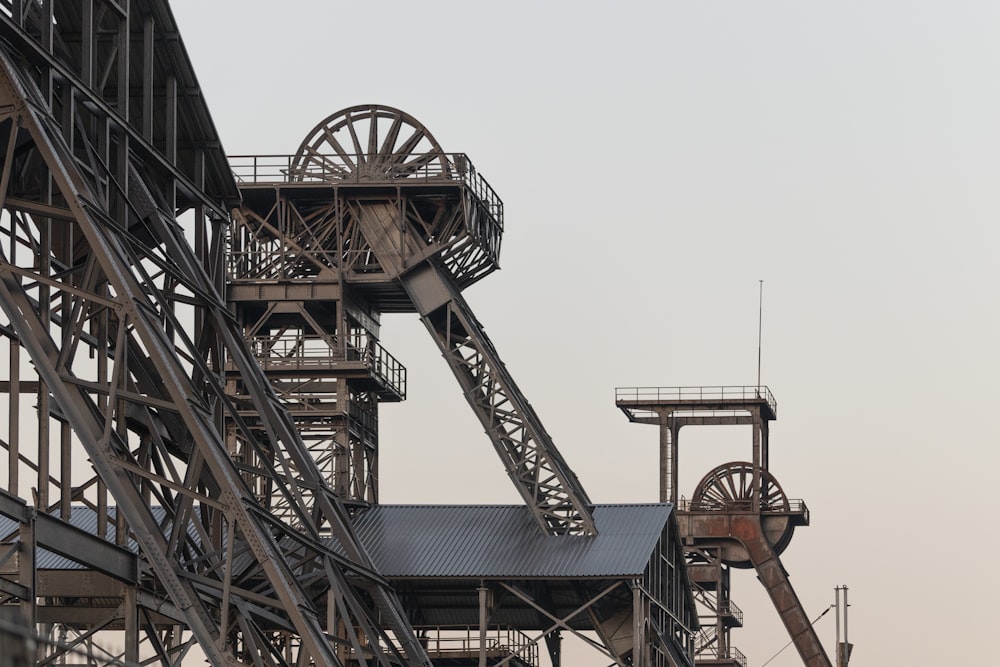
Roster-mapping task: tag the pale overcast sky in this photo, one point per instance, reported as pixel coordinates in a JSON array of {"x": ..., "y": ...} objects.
[{"x": 656, "y": 160}]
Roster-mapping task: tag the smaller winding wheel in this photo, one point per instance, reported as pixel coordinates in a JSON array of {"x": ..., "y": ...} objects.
[{"x": 729, "y": 488}]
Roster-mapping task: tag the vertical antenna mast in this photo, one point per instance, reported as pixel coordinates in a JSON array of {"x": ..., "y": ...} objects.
[{"x": 760, "y": 328}]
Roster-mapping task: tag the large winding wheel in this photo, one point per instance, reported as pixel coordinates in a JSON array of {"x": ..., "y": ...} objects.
[
  {"x": 729, "y": 488},
  {"x": 369, "y": 143}
]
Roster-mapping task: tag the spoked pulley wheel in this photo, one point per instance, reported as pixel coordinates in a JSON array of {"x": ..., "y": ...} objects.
[
  {"x": 369, "y": 143},
  {"x": 728, "y": 488}
]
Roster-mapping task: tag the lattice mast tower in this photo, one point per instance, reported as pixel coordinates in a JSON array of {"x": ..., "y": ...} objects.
[{"x": 371, "y": 216}]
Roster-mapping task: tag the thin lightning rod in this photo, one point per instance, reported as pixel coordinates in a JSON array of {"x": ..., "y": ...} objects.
[{"x": 760, "y": 328}]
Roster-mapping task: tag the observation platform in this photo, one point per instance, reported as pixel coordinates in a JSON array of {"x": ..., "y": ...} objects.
[
  {"x": 645, "y": 404},
  {"x": 314, "y": 206},
  {"x": 346, "y": 169}
]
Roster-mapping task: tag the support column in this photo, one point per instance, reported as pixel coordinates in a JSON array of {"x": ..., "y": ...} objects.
[
  {"x": 667, "y": 485},
  {"x": 638, "y": 659},
  {"x": 130, "y": 605},
  {"x": 14, "y": 412},
  {"x": 553, "y": 642},
  {"x": 27, "y": 570},
  {"x": 669, "y": 467},
  {"x": 483, "y": 620},
  {"x": 757, "y": 459},
  {"x": 675, "y": 441}
]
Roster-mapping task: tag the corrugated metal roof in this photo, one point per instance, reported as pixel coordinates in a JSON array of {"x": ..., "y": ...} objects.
[
  {"x": 480, "y": 541},
  {"x": 487, "y": 541},
  {"x": 81, "y": 517}
]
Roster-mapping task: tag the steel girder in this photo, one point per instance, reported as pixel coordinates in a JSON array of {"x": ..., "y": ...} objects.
[
  {"x": 317, "y": 346},
  {"x": 545, "y": 481},
  {"x": 93, "y": 208}
]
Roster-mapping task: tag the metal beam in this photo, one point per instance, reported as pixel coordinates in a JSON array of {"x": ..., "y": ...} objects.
[
  {"x": 69, "y": 541},
  {"x": 545, "y": 481},
  {"x": 78, "y": 545}
]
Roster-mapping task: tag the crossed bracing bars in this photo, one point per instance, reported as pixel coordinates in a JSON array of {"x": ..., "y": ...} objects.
[
  {"x": 222, "y": 559},
  {"x": 545, "y": 481}
]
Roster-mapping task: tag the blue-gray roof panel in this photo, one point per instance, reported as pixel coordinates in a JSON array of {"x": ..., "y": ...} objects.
[
  {"x": 504, "y": 541},
  {"x": 481, "y": 541}
]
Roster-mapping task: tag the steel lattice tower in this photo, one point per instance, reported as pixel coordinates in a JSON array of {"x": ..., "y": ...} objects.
[{"x": 371, "y": 216}]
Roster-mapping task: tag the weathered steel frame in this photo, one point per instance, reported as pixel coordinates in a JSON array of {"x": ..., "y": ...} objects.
[
  {"x": 353, "y": 219},
  {"x": 373, "y": 207},
  {"x": 378, "y": 176},
  {"x": 296, "y": 252},
  {"x": 711, "y": 590},
  {"x": 548, "y": 486},
  {"x": 147, "y": 410},
  {"x": 558, "y": 624},
  {"x": 736, "y": 499}
]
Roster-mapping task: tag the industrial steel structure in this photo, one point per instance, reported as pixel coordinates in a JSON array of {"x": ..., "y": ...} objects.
[
  {"x": 193, "y": 381},
  {"x": 738, "y": 516}
]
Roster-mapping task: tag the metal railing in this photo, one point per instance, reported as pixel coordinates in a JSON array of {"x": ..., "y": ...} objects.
[
  {"x": 735, "y": 655},
  {"x": 795, "y": 506},
  {"x": 310, "y": 353},
  {"x": 730, "y": 609},
  {"x": 707, "y": 647},
  {"x": 357, "y": 169},
  {"x": 710, "y": 600},
  {"x": 720, "y": 394},
  {"x": 500, "y": 643}
]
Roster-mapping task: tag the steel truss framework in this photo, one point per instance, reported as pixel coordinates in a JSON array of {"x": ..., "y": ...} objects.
[
  {"x": 372, "y": 216},
  {"x": 100, "y": 287},
  {"x": 230, "y": 531},
  {"x": 739, "y": 515}
]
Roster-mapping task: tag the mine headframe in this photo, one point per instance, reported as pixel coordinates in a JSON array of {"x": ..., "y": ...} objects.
[{"x": 371, "y": 216}]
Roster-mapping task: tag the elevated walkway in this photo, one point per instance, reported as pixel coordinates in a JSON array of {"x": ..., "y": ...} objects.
[
  {"x": 462, "y": 649},
  {"x": 372, "y": 367}
]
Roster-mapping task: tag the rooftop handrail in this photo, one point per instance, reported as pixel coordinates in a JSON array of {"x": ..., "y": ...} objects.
[
  {"x": 332, "y": 169},
  {"x": 702, "y": 393},
  {"x": 795, "y": 506}
]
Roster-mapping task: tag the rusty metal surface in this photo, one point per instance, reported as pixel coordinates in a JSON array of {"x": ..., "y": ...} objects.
[
  {"x": 738, "y": 516},
  {"x": 772, "y": 575}
]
